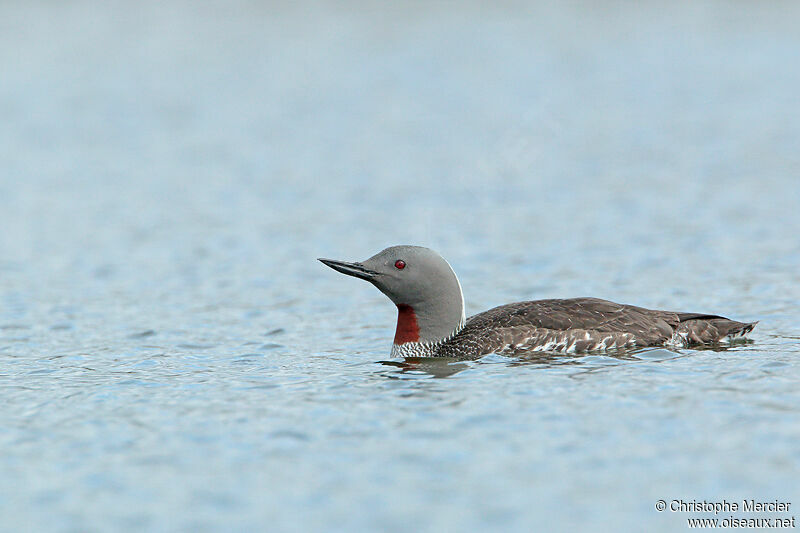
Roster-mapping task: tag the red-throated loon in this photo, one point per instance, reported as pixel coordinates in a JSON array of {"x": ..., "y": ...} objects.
[{"x": 431, "y": 321}]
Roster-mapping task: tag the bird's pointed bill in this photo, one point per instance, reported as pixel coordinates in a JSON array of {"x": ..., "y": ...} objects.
[{"x": 356, "y": 270}]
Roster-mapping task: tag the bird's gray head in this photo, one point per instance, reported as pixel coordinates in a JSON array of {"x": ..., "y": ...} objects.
[{"x": 422, "y": 285}]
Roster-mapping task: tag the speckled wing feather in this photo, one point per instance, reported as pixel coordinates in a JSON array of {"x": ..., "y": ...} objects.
[{"x": 579, "y": 325}]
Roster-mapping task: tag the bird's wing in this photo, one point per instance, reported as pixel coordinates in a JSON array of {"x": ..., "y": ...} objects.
[{"x": 588, "y": 314}]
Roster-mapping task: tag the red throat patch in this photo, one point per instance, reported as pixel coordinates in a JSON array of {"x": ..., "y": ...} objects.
[{"x": 407, "y": 327}]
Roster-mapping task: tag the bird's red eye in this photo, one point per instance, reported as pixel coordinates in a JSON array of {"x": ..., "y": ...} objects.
[{"x": 399, "y": 264}]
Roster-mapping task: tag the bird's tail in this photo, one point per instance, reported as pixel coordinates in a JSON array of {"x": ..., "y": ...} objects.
[{"x": 695, "y": 328}]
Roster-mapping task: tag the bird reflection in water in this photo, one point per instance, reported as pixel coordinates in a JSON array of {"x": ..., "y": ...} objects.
[
  {"x": 443, "y": 367},
  {"x": 437, "y": 367}
]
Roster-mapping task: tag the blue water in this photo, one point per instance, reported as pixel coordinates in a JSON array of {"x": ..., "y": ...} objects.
[{"x": 175, "y": 359}]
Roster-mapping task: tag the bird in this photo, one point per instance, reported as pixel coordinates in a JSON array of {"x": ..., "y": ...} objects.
[{"x": 431, "y": 319}]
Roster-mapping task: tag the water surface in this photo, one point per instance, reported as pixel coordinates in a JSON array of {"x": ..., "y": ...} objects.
[{"x": 175, "y": 359}]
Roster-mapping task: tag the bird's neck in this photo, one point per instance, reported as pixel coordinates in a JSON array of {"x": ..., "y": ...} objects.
[{"x": 421, "y": 328}]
